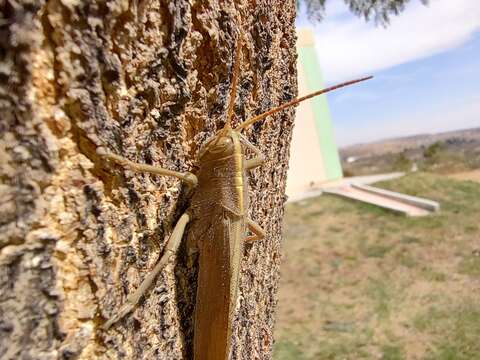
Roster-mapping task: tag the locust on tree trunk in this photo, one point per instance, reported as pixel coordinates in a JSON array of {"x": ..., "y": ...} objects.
[{"x": 218, "y": 225}]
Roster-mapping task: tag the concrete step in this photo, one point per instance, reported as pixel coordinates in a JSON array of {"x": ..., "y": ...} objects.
[{"x": 405, "y": 204}]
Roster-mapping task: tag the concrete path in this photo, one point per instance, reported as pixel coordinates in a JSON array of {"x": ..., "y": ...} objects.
[
  {"x": 357, "y": 188},
  {"x": 364, "y": 180},
  {"x": 318, "y": 188},
  {"x": 378, "y": 199}
]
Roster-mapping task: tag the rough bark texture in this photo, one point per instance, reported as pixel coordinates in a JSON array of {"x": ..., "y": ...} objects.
[{"x": 148, "y": 80}]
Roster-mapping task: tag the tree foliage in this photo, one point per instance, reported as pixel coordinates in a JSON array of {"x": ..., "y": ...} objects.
[{"x": 378, "y": 10}]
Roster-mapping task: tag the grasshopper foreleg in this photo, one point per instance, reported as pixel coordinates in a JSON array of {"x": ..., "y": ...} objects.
[
  {"x": 170, "y": 252},
  {"x": 190, "y": 178},
  {"x": 258, "y": 160}
]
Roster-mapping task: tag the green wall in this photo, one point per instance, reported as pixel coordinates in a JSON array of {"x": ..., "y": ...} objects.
[{"x": 331, "y": 160}]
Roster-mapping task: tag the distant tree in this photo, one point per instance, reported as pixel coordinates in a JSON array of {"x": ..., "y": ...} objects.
[
  {"x": 432, "y": 151},
  {"x": 379, "y": 10},
  {"x": 402, "y": 162}
]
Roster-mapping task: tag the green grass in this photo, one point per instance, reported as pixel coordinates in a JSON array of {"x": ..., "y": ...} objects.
[
  {"x": 456, "y": 330},
  {"x": 287, "y": 350},
  {"x": 360, "y": 282},
  {"x": 409, "y": 240},
  {"x": 380, "y": 292},
  {"x": 340, "y": 351},
  {"x": 470, "y": 265},
  {"x": 376, "y": 250},
  {"x": 392, "y": 352},
  {"x": 406, "y": 258},
  {"x": 431, "y": 275}
]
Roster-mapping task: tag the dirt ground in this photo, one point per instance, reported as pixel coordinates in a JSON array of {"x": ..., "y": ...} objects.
[
  {"x": 468, "y": 175},
  {"x": 359, "y": 282}
]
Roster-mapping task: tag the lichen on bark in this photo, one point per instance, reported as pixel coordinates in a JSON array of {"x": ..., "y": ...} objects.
[{"x": 148, "y": 80}]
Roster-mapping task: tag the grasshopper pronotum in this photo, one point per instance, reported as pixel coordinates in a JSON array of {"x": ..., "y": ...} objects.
[{"x": 218, "y": 223}]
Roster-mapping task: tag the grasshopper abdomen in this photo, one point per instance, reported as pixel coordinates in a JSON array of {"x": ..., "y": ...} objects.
[{"x": 221, "y": 194}]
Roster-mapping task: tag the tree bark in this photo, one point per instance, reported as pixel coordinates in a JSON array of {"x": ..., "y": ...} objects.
[{"x": 148, "y": 80}]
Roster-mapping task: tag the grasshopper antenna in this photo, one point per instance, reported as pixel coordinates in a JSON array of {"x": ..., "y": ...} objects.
[
  {"x": 233, "y": 89},
  {"x": 296, "y": 101}
]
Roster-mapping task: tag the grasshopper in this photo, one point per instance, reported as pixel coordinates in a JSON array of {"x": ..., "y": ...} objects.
[{"x": 218, "y": 224}]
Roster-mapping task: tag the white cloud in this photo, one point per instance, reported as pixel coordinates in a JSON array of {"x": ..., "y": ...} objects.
[
  {"x": 349, "y": 47},
  {"x": 458, "y": 115}
]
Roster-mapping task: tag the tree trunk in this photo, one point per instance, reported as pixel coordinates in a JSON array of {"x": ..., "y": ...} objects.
[{"x": 148, "y": 80}]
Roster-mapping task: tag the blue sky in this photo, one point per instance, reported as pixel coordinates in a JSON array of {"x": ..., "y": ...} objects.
[{"x": 426, "y": 66}]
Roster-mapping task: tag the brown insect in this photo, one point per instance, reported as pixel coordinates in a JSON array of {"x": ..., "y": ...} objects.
[{"x": 218, "y": 225}]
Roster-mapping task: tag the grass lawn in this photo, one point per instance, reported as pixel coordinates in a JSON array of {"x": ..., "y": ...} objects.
[{"x": 359, "y": 282}]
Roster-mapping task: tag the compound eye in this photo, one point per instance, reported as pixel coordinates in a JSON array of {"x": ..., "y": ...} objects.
[
  {"x": 224, "y": 141},
  {"x": 221, "y": 144}
]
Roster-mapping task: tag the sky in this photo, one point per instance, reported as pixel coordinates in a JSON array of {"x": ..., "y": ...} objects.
[{"x": 426, "y": 67}]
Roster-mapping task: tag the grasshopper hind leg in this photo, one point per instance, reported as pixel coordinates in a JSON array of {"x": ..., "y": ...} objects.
[
  {"x": 258, "y": 232},
  {"x": 170, "y": 251}
]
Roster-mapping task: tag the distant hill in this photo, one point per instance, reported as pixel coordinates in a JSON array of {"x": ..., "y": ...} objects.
[{"x": 397, "y": 145}]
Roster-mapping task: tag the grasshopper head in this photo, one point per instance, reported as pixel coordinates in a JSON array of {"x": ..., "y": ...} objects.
[{"x": 222, "y": 145}]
